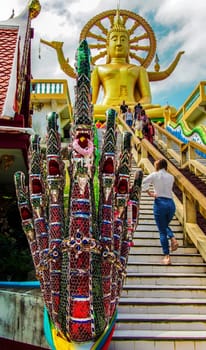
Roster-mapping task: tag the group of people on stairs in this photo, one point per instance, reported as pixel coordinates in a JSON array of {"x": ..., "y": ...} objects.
[{"x": 138, "y": 121}]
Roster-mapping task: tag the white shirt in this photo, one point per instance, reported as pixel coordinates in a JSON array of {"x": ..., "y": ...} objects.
[
  {"x": 129, "y": 116},
  {"x": 138, "y": 125},
  {"x": 162, "y": 182}
]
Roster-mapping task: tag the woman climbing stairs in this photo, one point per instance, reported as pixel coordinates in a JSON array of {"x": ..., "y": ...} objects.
[{"x": 162, "y": 307}]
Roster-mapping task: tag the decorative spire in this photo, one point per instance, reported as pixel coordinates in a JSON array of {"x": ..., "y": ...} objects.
[
  {"x": 34, "y": 8},
  {"x": 118, "y": 21},
  {"x": 157, "y": 66},
  {"x": 83, "y": 109},
  {"x": 118, "y": 25},
  {"x": 12, "y": 14}
]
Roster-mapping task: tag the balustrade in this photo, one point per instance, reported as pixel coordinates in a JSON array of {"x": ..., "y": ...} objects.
[{"x": 192, "y": 200}]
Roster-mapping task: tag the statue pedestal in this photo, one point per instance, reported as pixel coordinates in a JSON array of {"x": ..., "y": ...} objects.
[{"x": 100, "y": 112}]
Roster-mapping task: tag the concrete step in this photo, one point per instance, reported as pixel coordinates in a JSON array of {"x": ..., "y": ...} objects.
[
  {"x": 147, "y": 212},
  {"x": 164, "y": 305},
  {"x": 161, "y": 307},
  {"x": 161, "y": 322},
  {"x": 153, "y": 234},
  {"x": 156, "y": 340},
  {"x": 155, "y": 258},
  {"x": 159, "y": 267},
  {"x": 166, "y": 279},
  {"x": 148, "y": 207},
  {"x": 150, "y": 221},
  {"x": 154, "y": 241},
  {"x": 151, "y": 228},
  {"x": 163, "y": 291},
  {"x": 144, "y": 196},
  {"x": 140, "y": 249}
]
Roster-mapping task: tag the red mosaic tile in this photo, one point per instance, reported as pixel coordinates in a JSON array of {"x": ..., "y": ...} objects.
[{"x": 8, "y": 40}]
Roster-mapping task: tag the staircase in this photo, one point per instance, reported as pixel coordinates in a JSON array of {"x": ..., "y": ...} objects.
[{"x": 162, "y": 307}]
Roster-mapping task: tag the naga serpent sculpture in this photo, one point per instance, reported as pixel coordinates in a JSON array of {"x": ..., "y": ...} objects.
[{"x": 80, "y": 249}]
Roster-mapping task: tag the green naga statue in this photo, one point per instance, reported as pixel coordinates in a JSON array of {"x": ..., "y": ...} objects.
[{"x": 80, "y": 248}]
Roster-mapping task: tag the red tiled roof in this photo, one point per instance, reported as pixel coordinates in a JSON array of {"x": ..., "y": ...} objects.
[{"x": 8, "y": 39}]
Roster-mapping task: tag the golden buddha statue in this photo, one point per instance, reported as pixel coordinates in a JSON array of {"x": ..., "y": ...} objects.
[{"x": 119, "y": 79}]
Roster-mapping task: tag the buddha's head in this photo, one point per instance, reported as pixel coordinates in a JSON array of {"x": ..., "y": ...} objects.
[{"x": 118, "y": 40}]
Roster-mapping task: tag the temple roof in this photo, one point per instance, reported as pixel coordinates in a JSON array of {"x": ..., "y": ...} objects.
[
  {"x": 15, "y": 77},
  {"x": 12, "y": 42},
  {"x": 8, "y": 42},
  {"x": 15, "y": 35}
]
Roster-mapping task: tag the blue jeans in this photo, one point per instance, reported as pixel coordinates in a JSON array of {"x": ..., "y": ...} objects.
[
  {"x": 164, "y": 209},
  {"x": 129, "y": 123}
]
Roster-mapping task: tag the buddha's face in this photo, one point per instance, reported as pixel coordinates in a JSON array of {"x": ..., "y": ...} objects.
[{"x": 118, "y": 45}]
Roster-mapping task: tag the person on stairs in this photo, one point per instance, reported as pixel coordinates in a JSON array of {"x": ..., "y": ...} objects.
[{"x": 164, "y": 206}]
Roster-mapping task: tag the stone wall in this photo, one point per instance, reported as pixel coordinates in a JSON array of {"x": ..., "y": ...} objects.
[{"x": 21, "y": 316}]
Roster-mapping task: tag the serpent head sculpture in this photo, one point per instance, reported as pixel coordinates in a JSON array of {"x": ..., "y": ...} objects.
[{"x": 80, "y": 245}]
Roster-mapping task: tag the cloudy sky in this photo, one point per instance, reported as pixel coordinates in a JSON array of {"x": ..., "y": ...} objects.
[{"x": 179, "y": 25}]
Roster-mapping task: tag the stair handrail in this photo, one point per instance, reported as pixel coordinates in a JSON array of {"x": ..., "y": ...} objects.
[
  {"x": 192, "y": 199},
  {"x": 187, "y": 154},
  {"x": 161, "y": 134},
  {"x": 146, "y": 147}
]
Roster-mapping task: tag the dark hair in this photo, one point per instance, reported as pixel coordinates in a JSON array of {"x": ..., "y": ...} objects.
[{"x": 161, "y": 164}]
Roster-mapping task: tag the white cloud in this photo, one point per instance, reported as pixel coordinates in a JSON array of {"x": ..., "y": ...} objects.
[
  {"x": 178, "y": 25},
  {"x": 84, "y": 6},
  {"x": 7, "y": 6}
]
